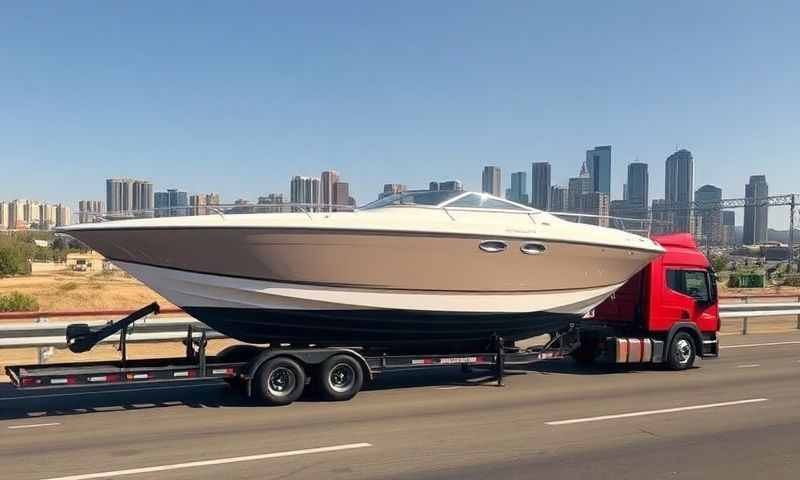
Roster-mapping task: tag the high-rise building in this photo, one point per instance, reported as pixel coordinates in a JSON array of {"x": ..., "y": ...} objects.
[
  {"x": 3, "y": 215},
  {"x": 197, "y": 204},
  {"x": 305, "y": 191},
  {"x": 89, "y": 211},
  {"x": 638, "y": 187},
  {"x": 540, "y": 185},
  {"x": 47, "y": 216},
  {"x": 450, "y": 186},
  {"x": 127, "y": 195},
  {"x": 679, "y": 189},
  {"x": 598, "y": 162},
  {"x": 172, "y": 203},
  {"x": 16, "y": 214},
  {"x": 708, "y": 198},
  {"x": 577, "y": 187},
  {"x": 161, "y": 203},
  {"x": 491, "y": 181},
  {"x": 559, "y": 198},
  {"x": 595, "y": 204},
  {"x": 341, "y": 196},
  {"x": 433, "y": 186},
  {"x": 391, "y": 189},
  {"x": 275, "y": 202},
  {"x": 662, "y": 217},
  {"x": 212, "y": 199},
  {"x": 756, "y": 212},
  {"x": 63, "y": 215},
  {"x": 327, "y": 181},
  {"x": 518, "y": 189},
  {"x": 728, "y": 228},
  {"x": 30, "y": 212}
]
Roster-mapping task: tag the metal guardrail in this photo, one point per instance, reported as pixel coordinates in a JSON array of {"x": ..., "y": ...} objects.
[{"x": 44, "y": 334}]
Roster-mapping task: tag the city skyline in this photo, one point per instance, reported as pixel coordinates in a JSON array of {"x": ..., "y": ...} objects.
[{"x": 228, "y": 108}]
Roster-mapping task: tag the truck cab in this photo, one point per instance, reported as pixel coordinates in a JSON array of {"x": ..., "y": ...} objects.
[{"x": 671, "y": 305}]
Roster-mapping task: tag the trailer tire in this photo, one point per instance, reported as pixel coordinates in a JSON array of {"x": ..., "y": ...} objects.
[
  {"x": 280, "y": 381},
  {"x": 682, "y": 351},
  {"x": 339, "y": 378}
]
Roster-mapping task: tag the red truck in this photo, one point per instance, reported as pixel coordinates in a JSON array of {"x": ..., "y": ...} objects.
[{"x": 666, "y": 314}]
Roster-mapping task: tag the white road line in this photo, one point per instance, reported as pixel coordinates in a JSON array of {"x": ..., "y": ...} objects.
[
  {"x": 35, "y": 425},
  {"x": 103, "y": 392},
  {"x": 219, "y": 461},
  {"x": 751, "y": 365},
  {"x": 796, "y": 342},
  {"x": 655, "y": 412},
  {"x": 447, "y": 388}
]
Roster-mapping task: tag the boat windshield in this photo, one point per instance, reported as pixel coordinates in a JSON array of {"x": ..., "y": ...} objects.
[{"x": 422, "y": 197}]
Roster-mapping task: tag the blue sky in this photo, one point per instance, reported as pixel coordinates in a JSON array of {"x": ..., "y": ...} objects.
[{"x": 237, "y": 97}]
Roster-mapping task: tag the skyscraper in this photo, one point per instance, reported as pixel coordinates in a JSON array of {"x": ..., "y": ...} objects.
[
  {"x": 392, "y": 188},
  {"x": 679, "y": 189},
  {"x": 638, "y": 188},
  {"x": 275, "y": 199},
  {"x": 559, "y": 198},
  {"x": 328, "y": 179},
  {"x": 16, "y": 214},
  {"x": 598, "y": 162},
  {"x": 708, "y": 198},
  {"x": 47, "y": 216},
  {"x": 595, "y": 204},
  {"x": 127, "y": 194},
  {"x": 518, "y": 189},
  {"x": 3, "y": 215},
  {"x": 756, "y": 212},
  {"x": 305, "y": 191},
  {"x": 491, "y": 181},
  {"x": 89, "y": 211},
  {"x": 577, "y": 187},
  {"x": 63, "y": 216},
  {"x": 212, "y": 198},
  {"x": 728, "y": 228},
  {"x": 450, "y": 186},
  {"x": 540, "y": 185},
  {"x": 341, "y": 196}
]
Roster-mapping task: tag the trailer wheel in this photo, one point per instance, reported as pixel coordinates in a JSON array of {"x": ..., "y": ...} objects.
[
  {"x": 681, "y": 352},
  {"x": 339, "y": 378},
  {"x": 280, "y": 381}
]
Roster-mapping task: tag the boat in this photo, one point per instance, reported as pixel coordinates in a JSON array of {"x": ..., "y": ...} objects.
[{"x": 414, "y": 271}]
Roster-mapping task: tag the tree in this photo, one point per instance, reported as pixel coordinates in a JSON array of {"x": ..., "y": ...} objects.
[
  {"x": 720, "y": 262},
  {"x": 12, "y": 261}
]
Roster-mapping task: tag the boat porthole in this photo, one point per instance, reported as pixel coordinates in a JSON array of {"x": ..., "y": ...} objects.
[
  {"x": 493, "y": 246},
  {"x": 532, "y": 248}
]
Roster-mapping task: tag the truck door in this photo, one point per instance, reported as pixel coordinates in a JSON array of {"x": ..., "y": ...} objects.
[{"x": 690, "y": 296}]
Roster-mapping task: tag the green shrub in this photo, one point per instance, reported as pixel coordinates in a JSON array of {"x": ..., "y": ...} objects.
[
  {"x": 12, "y": 261},
  {"x": 18, "y": 302}
]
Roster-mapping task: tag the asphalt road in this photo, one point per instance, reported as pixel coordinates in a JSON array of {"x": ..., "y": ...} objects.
[{"x": 553, "y": 420}]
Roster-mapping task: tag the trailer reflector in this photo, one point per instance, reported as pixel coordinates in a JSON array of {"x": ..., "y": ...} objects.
[
  {"x": 104, "y": 378},
  {"x": 62, "y": 381},
  {"x": 27, "y": 382},
  {"x": 222, "y": 371},
  {"x": 138, "y": 376},
  {"x": 183, "y": 374}
]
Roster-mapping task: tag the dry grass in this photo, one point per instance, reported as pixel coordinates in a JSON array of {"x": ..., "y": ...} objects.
[{"x": 66, "y": 290}]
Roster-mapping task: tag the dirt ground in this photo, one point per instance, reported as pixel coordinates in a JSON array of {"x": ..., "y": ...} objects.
[{"x": 67, "y": 290}]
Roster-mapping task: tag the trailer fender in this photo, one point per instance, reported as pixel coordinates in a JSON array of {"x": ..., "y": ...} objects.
[
  {"x": 308, "y": 357},
  {"x": 693, "y": 331}
]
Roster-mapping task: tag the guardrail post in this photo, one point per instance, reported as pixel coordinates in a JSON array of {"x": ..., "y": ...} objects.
[
  {"x": 744, "y": 326},
  {"x": 798, "y": 315},
  {"x": 43, "y": 353}
]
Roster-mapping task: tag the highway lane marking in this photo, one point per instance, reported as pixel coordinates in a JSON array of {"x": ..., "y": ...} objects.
[
  {"x": 118, "y": 390},
  {"x": 447, "y": 388},
  {"x": 751, "y": 365},
  {"x": 219, "y": 461},
  {"x": 655, "y": 412},
  {"x": 770, "y": 344},
  {"x": 35, "y": 425}
]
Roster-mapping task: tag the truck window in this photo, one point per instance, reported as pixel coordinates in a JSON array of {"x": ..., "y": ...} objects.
[{"x": 689, "y": 282}]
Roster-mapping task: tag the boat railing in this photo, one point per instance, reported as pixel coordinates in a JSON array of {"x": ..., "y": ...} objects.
[
  {"x": 221, "y": 210},
  {"x": 645, "y": 227}
]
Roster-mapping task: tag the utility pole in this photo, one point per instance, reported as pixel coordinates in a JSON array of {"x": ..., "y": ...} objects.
[{"x": 792, "y": 207}]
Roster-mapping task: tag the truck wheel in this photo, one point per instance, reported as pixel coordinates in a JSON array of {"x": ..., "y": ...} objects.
[
  {"x": 681, "y": 352},
  {"x": 339, "y": 378},
  {"x": 280, "y": 381}
]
